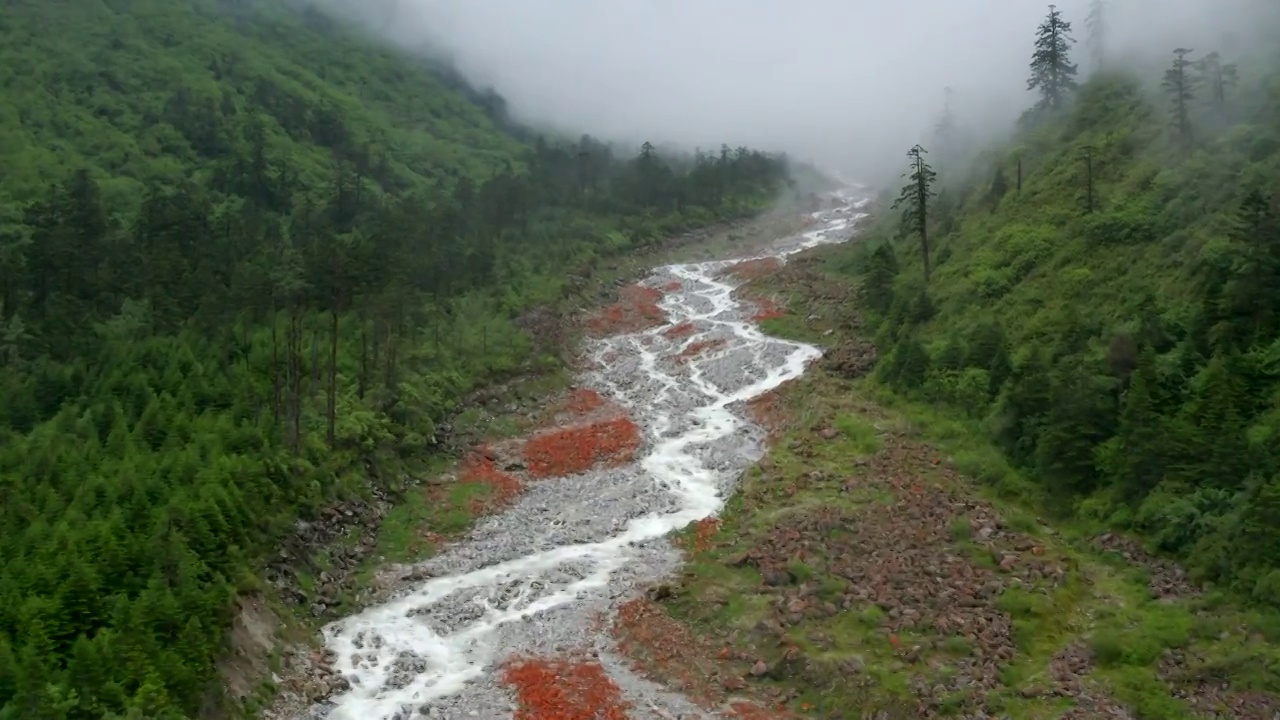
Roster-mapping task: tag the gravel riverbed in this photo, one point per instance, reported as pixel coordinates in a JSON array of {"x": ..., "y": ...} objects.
[{"x": 538, "y": 578}]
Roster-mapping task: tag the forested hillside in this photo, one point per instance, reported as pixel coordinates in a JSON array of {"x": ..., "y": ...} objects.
[
  {"x": 1102, "y": 295},
  {"x": 248, "y": 263}
]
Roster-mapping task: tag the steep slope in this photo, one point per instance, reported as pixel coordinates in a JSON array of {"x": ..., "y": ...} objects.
[
  {"x": 145, "y": 91},
  {"x": 250, "y": 267},
  {"x": 1116, "y": 323},
  {"x": 959, "y": 533}
]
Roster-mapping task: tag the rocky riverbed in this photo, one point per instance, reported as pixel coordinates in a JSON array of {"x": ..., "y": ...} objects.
[{"x": 467, "y": 633}]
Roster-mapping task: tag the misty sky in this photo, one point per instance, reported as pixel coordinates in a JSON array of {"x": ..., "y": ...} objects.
[{"x": 850, "y": 83}]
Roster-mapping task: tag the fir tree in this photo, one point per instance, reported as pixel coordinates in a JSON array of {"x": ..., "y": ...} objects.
[
  {"x": 1052, "y": 72},
  {"x": 914, "y": 201},
  {"x": 1180, "y": 84},
  {"x": 876, "y": 292}
]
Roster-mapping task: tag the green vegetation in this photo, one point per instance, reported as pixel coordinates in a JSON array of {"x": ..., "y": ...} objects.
[
  {"x": 1130, "y": 628},
  {"x": 248, "y": 265},
  {"x": 1097, "y": 345},
  {"x": 1115, "y": 325}
]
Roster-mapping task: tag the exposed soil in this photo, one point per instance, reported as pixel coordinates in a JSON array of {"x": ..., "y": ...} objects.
[
  {"x": 589, "y": 432},
  {"x": 769, "y": 410},
  {"x": 577, "y": 449},
  {"x": 1210, "y": 693},
  {"x": 682, "y": 330},
  {"x": 564, "y": 689},
  {"x": 895, "y": 559},
  {"x": 850, "y": 359},
  {"x": 481, "y": 468},
  {"x": 696, "y": 348},
  {"x": 637, "y": 309},
  {"x": 1168, "y": 579},
  {"x": 715, "y": 676},
  {"x": 754, "y": 269},
  {"x": 768, "y": 305}
]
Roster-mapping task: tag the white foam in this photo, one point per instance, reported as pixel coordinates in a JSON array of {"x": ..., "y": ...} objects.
[{"x": 682, "y": 407}]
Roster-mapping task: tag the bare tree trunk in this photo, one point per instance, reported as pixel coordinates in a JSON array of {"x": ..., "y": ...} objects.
[
  {"x": 295, "y": 377},
  {"x": 276, "y": 387},
  {"x": 313, "y": 388},
  {"x": 363, "y": 380},
  {"x": 332, "y": 407}
]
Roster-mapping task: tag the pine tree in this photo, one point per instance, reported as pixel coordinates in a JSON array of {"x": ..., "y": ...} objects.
[
  {"x": 1052, "y": 72},
  {"x": 876, "y": 292},
  {"x": 914, "y": 201},
  {"x": 1180, "y": 85},
  {"x": 1249, "y": 305},
  {"x": 1135, "y": 458},
  {"x": 1097, "y": 24}
]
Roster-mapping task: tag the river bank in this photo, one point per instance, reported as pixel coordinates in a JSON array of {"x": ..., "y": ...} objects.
[
  {"x": 535, "y": 580},
  {"x": 413, "y": 531},
  {"x": 881, "y": 561}
]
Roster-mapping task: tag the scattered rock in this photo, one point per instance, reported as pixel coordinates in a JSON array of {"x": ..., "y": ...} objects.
[{"x": 850, "y": 359}]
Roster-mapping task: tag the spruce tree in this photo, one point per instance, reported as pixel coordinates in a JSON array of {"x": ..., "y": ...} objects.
[
  {"x": 877, "y": 280},
  {"x": 1180, "y": 84},
  {"x": 914, "y": 200},
  {"x": 1052, "y": 72}
]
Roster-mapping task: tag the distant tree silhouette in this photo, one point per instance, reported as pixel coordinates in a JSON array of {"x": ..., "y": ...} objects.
[{"x": 1220, "y": 77}]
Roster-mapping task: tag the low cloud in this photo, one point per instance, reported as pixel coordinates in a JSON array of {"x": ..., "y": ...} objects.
[{"x": 850, "y": 84}]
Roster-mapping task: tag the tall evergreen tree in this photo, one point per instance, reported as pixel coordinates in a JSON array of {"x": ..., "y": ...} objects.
[
  {"x": 1052, "y": 72},
  {"x": 914, "y": 200},
  {"x": 876, "y": 292},
  {"x": 1180, "y": 84}
]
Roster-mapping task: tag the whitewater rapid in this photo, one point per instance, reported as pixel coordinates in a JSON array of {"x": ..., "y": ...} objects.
[{"x": 536, "y": 578}]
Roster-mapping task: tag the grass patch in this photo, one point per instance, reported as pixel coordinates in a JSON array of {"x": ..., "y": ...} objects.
[
  {"x": 861, "y": 437},
  {"x": 403, "y": 535}
]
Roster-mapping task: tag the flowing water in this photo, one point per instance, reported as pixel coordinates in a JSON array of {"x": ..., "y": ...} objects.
[{"x": 534, "y": 579}]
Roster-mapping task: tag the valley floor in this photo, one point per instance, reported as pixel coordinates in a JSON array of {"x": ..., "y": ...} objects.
[
  {"x": 358, "y": 555},
  {"x": 862, "y": 571}
]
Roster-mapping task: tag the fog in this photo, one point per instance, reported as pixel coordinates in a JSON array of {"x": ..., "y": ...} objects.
[{"x": 848, "y": 84}]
